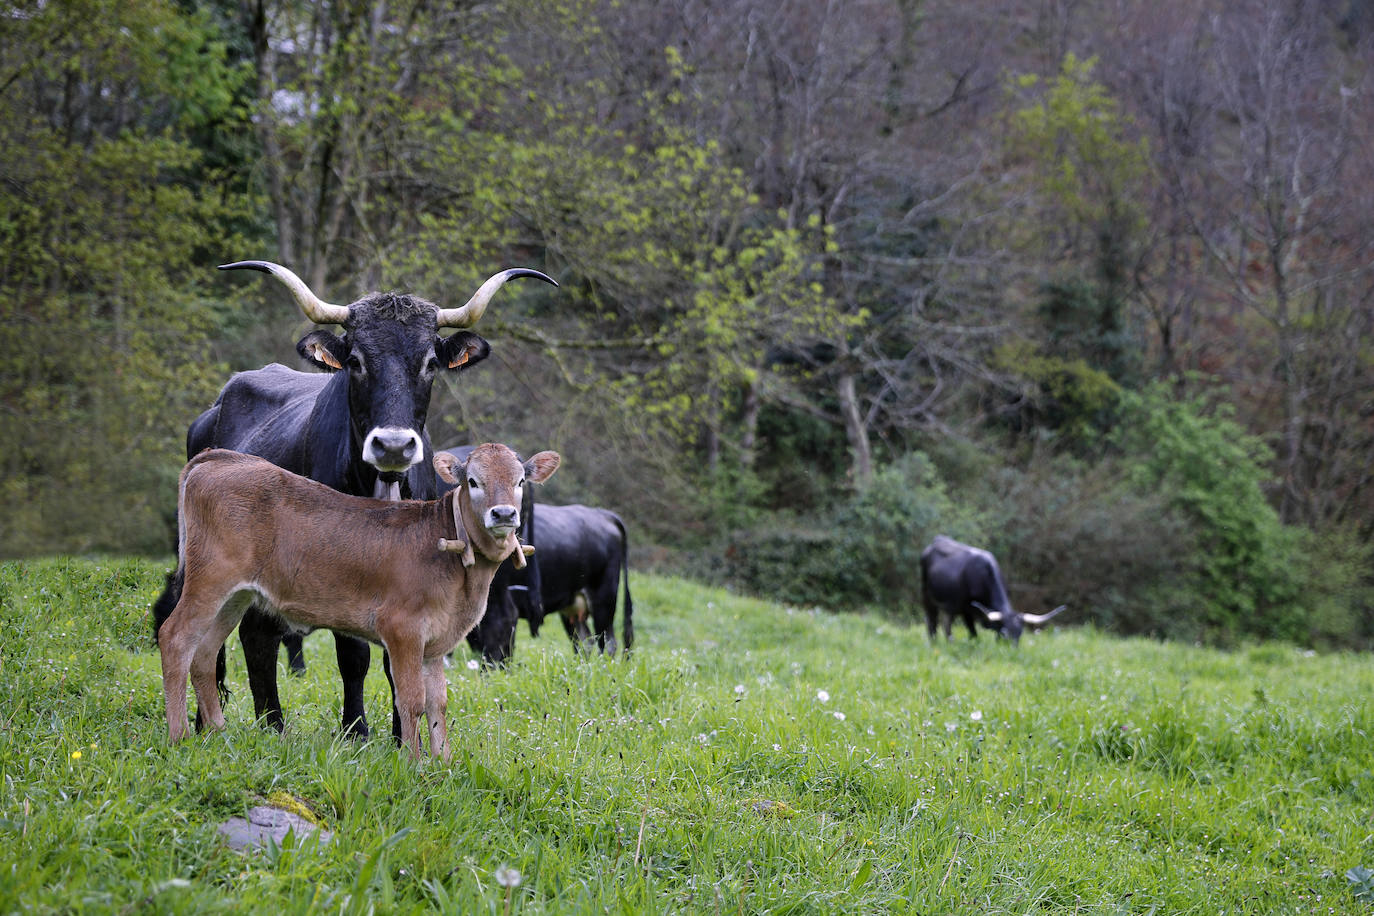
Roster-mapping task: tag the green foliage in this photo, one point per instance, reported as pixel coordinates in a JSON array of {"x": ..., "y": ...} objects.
[
  {"x": 864, "y": 552},
  {"x": 1076, "y": 136},
  {"x": 1069, "y": 531},
  {"x": 748, "y": 758},
  {"x": 105, "y": 337},
  {"x": 1075, "y": 139},
  {"x": 1250, "y": 570},
  {"x": 1069, "y": 395}
]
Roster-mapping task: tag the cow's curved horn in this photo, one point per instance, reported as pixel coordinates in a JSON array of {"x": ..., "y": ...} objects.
[
  {"x": 466, "y": 316},
  {"x": 991, "y": 615},
  {"x": 1036, "y": 620},
  {"x": 315, "y": 308}
]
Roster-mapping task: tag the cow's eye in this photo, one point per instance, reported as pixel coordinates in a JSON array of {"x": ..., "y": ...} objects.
[
  {"x": 354, "y": 363},
  {"x": 472, "y": 483},
  {"x": 432, "y": 365}
]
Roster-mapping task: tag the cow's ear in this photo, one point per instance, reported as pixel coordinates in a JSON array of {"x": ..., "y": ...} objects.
[
  {"x": 447, "y": 465},
  {"x": 541, "y": 467},
  {"x": 460, "y": 350},
  {"x": 323, "y": 349}
]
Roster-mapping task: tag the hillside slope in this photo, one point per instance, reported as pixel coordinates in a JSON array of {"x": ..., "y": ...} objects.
[{"x": 748, "y": 758}]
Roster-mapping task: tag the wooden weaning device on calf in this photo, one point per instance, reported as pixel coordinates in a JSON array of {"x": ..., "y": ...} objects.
[{"x": 251, "y": 532}]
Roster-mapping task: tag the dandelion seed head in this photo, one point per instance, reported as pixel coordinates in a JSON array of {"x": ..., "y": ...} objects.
[
  {"x": 507, "y": 876},
  {"x": 473, "y": 664},
  {"x": 823, "y": 696}
]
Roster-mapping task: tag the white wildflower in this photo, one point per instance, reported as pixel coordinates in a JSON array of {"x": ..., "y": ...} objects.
[{"x": 823, "y": 696}]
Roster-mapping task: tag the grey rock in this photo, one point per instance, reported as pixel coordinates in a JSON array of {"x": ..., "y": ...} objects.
[{"x": 265, "y": 821}]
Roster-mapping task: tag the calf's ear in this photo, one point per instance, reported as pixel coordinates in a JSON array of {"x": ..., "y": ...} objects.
[
  {"x": 447, "y": 465},
  {"x": 323, "y": 349},
  {"x": 541, "y": 467},
  {"x": 460, "y": 350}
]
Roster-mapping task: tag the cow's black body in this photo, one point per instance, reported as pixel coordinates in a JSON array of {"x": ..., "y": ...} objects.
[
  {"x": 963, "y": 580},
  {"x": 359, "y": 429},
  {"x": 579, "y": 551},
  {"x": 494, "y": 635},
  {"x": 583, "y": 551}
]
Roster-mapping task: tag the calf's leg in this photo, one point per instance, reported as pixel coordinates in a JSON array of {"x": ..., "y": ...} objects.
[
  {"x": 204, "y": 663},
  {"x": 408, "y": 679},
  {"x": 179, "y": 641},
  {"x": 436, "y": 706}
]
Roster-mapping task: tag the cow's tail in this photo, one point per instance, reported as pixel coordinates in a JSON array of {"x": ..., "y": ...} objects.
[
  {"x": 171, "y": 594},
  {"x": 627, "y": 625}
]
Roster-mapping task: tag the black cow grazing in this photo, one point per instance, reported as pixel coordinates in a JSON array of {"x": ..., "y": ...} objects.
[
  {"x": 964, "y": 580},
  {"x": 359, "y": 428}
]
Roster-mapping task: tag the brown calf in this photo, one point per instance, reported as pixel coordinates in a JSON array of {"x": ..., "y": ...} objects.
[{"x": 412, "y": 576}]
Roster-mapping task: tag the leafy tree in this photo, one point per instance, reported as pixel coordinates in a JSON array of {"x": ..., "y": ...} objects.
[{"x": 102, "y": 219}]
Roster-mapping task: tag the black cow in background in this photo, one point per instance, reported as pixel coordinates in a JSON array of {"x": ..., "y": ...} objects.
[
  {"x": 964, "y": 580},
  {"x": 580, "y": 556},
  {"x": 359, "y": 428},
  {"x": 583, "y": 554},
  {"x": 494, "y": 635}
]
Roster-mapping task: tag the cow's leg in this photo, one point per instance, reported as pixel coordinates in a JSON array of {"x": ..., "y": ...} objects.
[
  {"x": 205, "y": 662},
  {"x": 409, "y": 677},
  {"x": 602, "y": 602},
  {"x": 500, "y": 645},
  {"x": 295, "y": 652},
  {"x": 354, "y": 657},
  {"x": 971, "y": 622},
  {"x": 575, "y": 623},
  {"x": 494, "y": 634},
  {"x": 436, "y": 706},
  {"x": 395, "y": 714},
  {"x": 948, "y": 622},
  {"x": 178, "y": 640},
  {"x": 261, "y": 635}
]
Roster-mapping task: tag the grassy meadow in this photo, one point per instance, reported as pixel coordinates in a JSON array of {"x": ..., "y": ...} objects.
[{"x": 749, "y": 758}]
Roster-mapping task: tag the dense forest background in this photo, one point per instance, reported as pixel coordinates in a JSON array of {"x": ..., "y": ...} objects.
[{"x": 1088, "y": 283}]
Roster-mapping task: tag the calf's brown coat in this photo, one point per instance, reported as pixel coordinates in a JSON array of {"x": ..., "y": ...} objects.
[{"x": 319, "y": 558}]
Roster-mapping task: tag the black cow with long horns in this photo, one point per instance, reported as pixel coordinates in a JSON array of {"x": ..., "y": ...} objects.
[
  {"x": 359, "y": 428},
  {"x": 964, "y": 580}
]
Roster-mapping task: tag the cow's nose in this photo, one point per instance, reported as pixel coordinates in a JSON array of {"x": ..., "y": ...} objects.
[
  {"x": 397, "y": 444},
  {"x": 392, "y": 448},
  {"x": 504, "y": 516}
]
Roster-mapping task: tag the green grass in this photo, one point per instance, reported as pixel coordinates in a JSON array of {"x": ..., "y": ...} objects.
[{"x": 748, "y": 758}]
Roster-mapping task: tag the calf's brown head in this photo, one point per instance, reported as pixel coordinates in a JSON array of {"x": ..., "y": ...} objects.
[{"x": 486, "y": 508}]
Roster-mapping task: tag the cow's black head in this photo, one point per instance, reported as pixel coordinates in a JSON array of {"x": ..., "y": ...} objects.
[
  {"x": 1012, "y": 623},
  {"x": 392, "y": 352}
]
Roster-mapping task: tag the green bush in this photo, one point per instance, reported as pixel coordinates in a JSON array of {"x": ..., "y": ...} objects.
[
  {"x": 866, "y": 552},
  {"x": 1250, "y": 568},
  {"x": 1068, "y": 532}
]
